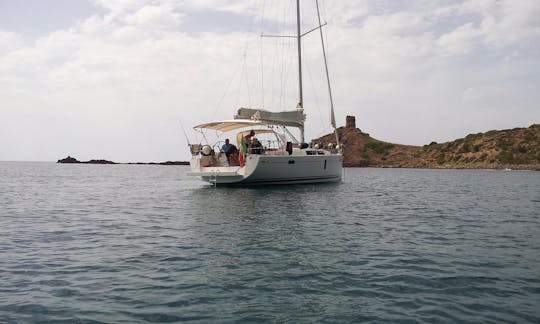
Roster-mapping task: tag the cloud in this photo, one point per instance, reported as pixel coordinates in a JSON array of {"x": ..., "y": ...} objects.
[
  {"x": 161, "y": 17},
  {"x": 9, "y": 42}
]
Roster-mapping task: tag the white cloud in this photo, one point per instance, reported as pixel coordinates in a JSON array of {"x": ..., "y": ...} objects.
[
  {"x": 9, "y": 42},
  {"x": 160, "y": 17},
  {"x": 122, "y": 6},
  {"x": 235, "y": 6}
]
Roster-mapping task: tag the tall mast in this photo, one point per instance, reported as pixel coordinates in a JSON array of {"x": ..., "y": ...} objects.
[{"x": 300, "y": 105}]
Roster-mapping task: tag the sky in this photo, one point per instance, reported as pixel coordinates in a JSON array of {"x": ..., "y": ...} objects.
[{"x": 126, "y": 80}]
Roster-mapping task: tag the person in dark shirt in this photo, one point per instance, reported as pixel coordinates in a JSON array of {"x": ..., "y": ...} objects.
[
  {"x": 228, "y": 148},
  {"x": 256, "y": 146}
]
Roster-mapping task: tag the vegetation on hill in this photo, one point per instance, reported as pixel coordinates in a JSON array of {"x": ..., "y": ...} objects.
[{"x": 517, "y": 148}]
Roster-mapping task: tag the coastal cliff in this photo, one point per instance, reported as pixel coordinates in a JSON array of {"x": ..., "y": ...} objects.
[{"x": 517, "y": 148}]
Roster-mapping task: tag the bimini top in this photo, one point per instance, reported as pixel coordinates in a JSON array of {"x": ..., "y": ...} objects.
[{"x": 229, "y": 125}]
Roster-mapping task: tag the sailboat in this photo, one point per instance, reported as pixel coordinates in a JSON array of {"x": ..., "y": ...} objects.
[{"x": 267, "y": 152}]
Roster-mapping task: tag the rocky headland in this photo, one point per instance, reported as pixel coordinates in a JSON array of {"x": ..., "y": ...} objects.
[{"x": 517, "y": 149}]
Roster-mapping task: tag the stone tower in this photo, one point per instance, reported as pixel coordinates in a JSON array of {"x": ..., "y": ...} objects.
[{"x": 350, "y": 122}]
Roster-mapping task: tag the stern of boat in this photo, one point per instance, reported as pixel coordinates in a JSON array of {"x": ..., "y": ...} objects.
[{"x": 214, "y": 168}]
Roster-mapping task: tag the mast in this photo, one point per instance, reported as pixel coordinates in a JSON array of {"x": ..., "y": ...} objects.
[{"x": 300, "y": 105}]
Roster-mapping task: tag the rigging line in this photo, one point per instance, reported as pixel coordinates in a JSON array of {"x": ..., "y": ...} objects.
[
  {"x": 281, "y": 50},
  {"x": 246, "y": 50},
  {"x": 271, "y": 48},
  {"x": 275, "y": 72},
  {"x": 226, "y": 90},
  {"x": 286, "y": 47},
  {"x": 241, "y": 64},
  {"x": 185, "y": 134},
  {"x": 289, "y": 60},
  {"x": 261, "y": 52},
  {"x": 285, "y": 64},
  {"x": 263, "y": 12},
  {"x": 262, "y": 73},
  {"x": 239, "y": 90},
  {"x": 247, "y": 80},
  {"x": 315, "y": 96}
]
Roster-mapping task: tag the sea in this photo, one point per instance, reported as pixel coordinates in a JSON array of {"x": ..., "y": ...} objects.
[{"x": 146, "y": 244}]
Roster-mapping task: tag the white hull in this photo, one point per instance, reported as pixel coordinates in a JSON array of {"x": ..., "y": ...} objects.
[{"x": 273, "y": 169}]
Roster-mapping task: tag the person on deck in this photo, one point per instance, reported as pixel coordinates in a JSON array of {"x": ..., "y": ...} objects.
[
  {"x": 228, "y": 149},
  {"x": 256, "y": 146},
  {"x": 248, "y": 138},
  {"x": 245, "y": 145}
]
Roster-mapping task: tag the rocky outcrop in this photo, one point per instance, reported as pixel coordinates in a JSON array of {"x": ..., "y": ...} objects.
[
  {"x": 100, "y": 162},
  {"x": 68, "y": 159}
]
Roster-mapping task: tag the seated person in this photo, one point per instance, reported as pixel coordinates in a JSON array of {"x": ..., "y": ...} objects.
[
  {"x": 256, "y": 146},
  {"x": 234, "y": 159},
  {"x": 228, "y": 148}
]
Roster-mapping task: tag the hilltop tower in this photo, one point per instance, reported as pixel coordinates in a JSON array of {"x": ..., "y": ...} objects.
[{"x": 350, "y": 122}]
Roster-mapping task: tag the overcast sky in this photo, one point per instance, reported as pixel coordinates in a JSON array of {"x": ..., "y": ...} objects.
[{"x": 115, "y": 79}]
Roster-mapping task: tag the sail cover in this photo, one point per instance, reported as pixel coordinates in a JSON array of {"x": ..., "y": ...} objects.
[{"x": 293, "y": 118}]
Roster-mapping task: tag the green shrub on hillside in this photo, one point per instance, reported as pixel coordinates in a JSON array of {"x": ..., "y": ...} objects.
[
  {"x": 473, "y": 136},
  {"x": 465, "y": 148},
  {"x": 505, "y": 157},
  {"x": 521, "y": 149},
  {"x": 378, "y": 147},
  {"x": 441, "y": 159},
  {"x": 504, "y": 144},
  {"x": 530, "y": 136},
  {"x": 428, "y": 147}
]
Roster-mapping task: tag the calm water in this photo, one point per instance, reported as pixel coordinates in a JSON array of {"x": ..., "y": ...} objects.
[{"x": 137, "y": 244}]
